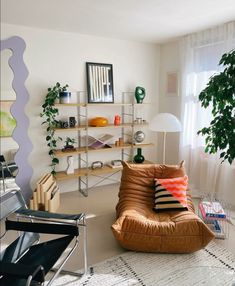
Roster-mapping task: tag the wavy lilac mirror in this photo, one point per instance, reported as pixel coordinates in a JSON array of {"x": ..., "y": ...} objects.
[{"x": 20, "y": 133}]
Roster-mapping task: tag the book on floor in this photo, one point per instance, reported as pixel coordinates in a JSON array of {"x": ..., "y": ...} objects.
[
  {"x": 212, "y": 210},
  {"x": 216, "y": 227}
]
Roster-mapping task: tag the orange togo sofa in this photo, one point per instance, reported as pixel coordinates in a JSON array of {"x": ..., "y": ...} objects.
[{"x": 138, "y": 227}]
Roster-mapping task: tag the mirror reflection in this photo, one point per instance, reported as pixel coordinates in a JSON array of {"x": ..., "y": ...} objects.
[{"x": 8, "y": 146}]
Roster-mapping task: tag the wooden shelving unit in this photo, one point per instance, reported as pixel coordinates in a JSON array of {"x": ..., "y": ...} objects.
[{"x": 82, "y": 152}]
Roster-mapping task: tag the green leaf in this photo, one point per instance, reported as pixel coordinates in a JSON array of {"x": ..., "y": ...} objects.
[
  {"x": 220, "y": 96},
  {"x": 55, "y": 160}
]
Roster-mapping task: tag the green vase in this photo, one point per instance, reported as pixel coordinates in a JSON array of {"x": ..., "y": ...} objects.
[
  {"x": 139, "y": 158},
  {"x": 139, "y": 94}
]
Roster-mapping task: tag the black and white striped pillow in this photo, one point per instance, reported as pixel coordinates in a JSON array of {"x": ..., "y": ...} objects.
[{"x": 170, "y": 194}]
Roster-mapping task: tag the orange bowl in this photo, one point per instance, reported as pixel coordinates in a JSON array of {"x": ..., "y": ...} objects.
[{"x": 98, "y": 122}]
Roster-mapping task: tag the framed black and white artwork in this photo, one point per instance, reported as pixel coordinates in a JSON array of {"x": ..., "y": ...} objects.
[{"x": 99, "y": 83}]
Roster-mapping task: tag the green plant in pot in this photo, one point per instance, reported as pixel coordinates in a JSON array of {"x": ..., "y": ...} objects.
[
  {"x": 220, "y": 94},
  {"x": 69, "y": 144},
  {"x": 49, "y": 113}
]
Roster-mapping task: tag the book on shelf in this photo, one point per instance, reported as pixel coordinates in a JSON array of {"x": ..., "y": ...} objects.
[{"x": 212, "y": 210}]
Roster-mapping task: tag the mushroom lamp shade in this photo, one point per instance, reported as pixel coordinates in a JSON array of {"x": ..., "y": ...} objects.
[{"x": 165, "y": 122}]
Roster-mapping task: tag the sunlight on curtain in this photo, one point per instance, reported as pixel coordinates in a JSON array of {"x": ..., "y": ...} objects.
[{"x": 200, "y": 55}]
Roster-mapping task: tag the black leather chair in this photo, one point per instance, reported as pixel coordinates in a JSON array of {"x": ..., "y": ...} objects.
[{"x": 26, "y": 261}]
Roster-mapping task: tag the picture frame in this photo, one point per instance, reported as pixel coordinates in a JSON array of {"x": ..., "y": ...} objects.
[
  {"x": 99, "y": 82},
  {"x": 8, "y": 122},
  {"x": 172, "y": 84}
]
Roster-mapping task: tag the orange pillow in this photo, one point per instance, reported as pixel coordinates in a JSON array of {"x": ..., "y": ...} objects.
[{"x": 170, "y": 194}]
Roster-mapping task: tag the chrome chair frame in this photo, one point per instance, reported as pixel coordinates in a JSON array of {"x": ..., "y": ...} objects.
[{"x": 56, "y": 220}]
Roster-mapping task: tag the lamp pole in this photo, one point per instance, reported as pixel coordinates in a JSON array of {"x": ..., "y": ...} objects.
[{"x": 164, "y": 147}]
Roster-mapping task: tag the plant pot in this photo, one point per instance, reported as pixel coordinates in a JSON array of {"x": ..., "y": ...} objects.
[
  {"x": 65, "y": 96},
  {"x": 68, "y": 148}
]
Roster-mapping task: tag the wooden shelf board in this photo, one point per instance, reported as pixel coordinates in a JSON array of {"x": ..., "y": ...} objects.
[
  {"x": 61, "y": 176},
  {"x": 76, "y": 128},
  {"x": 83, "y": 127},
  {"x": 80, "y": 150},
  {"x": 82, "y": 104},
  {"x": 70, "y": 104}
]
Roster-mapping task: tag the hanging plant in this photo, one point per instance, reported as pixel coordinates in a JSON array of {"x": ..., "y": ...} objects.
[
  {"x": 220, "y": 93},
  {"x": 49, "y": 113}
]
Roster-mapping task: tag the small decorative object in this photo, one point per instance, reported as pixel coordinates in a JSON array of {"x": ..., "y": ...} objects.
[
  {"x": 117, "y": 120},
  {"x": 117, "y": 143},
  {"x": 100, "y": 142},
  {"x": 138, "y": 120},
  {"x": 139, "y": 94},
  {"x": 121, "y": 141},
  {"x": 65, "y": 96},
  {"x": 99, "y": 83},
  {"x": 139, "y": 136},
  {"x": 98, "y": 122},
  {"x": 97, "y": 165},
  {"x": 115, "y": 164},
  {"x": 70, "y": 168},
  {"x": 69, "y": 144},
  {"x": 72, "y": 121},
  {"x": 139, "y": 158},
  {"x": 64, "y": 124}
]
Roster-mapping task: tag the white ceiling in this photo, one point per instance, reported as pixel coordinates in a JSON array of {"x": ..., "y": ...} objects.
[{"x": 155, "y": 21}]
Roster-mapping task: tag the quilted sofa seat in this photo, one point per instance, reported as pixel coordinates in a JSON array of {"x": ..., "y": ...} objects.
[{"x": 139, "y": 228}]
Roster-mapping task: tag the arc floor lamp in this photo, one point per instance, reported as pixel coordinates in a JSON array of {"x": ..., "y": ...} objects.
[{"x": 165, "y": 122}]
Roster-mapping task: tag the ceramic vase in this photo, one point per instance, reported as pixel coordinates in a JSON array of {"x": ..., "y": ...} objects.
[
  {"x": 139, "y": 158},
  {"x": 139, "y": 94},
  {"x": 65, "y": 96},
  {"x": 70, "y": 168}
]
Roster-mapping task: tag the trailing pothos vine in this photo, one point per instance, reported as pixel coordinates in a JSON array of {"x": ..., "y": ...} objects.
[
  {"x": 220, "y": 94},
  {"x": 49, "y": 114}
]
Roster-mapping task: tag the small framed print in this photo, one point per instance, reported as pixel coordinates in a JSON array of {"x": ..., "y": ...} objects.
[
  {"x": 172, "y": 84},
  {"x": 99, "y": 83},
  {"x": 8, "y": 122}
]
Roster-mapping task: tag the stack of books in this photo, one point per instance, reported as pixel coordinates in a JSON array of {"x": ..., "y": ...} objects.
[{"x": 212, "y": 214}]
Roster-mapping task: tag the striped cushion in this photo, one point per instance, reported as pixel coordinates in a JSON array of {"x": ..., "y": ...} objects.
[{"x": 170, "y": 194}]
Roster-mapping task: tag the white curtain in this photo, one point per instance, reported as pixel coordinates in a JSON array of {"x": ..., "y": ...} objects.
[{"x": 200, "y": 55}]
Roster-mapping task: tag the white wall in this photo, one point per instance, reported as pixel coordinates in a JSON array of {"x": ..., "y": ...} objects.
[
  {"x": 170, "y": 104},
  {"x": 53, "y": 56}
]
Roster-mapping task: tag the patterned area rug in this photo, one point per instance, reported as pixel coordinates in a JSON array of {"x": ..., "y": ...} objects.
[{"x": 212, "y": 265}]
